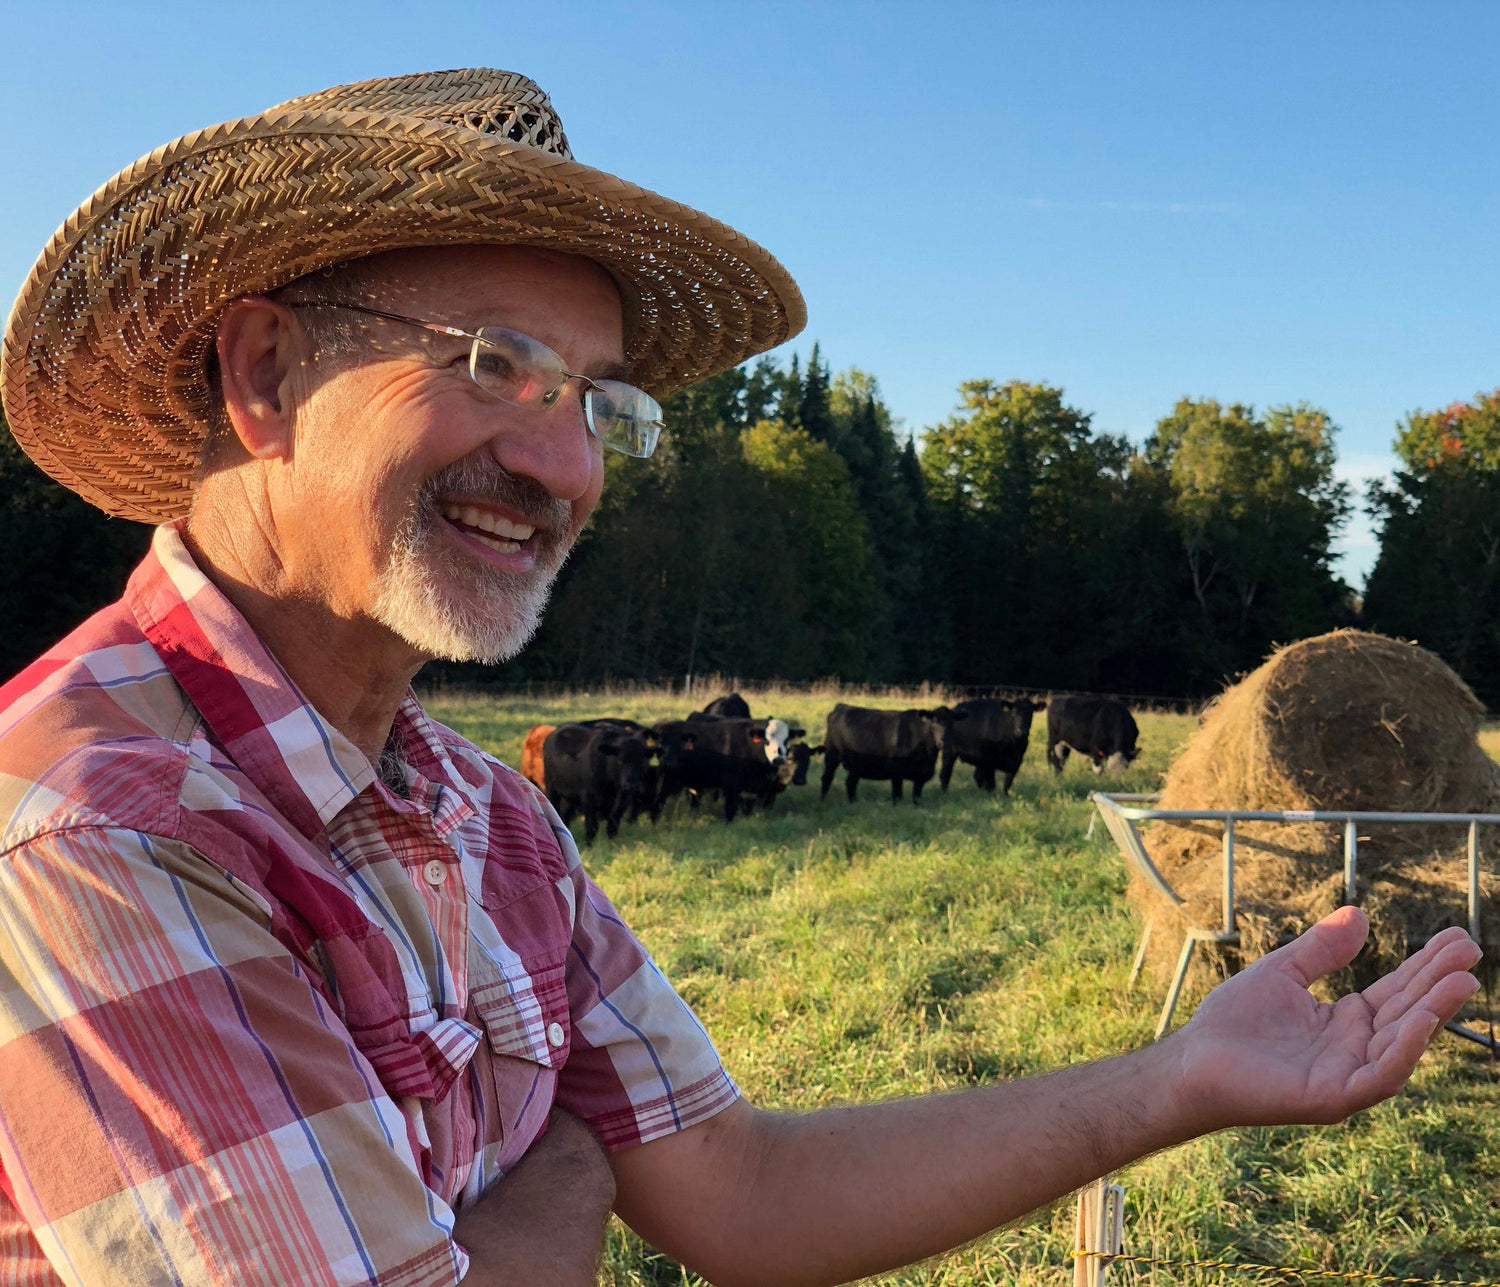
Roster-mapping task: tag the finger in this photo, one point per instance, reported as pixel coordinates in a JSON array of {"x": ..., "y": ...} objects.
[
  {"x": 1329, "y": 945},
  {"x": 1454, "y": 957},
  {"x": 1379, "y": 992},
  {"x": 1443, "y": 998},
  {"x": 1395, "y": 1049},
  {"x": 1404, "y": 986}
]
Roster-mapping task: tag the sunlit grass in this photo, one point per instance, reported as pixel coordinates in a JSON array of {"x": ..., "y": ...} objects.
[{"x": 841, "y": 952}]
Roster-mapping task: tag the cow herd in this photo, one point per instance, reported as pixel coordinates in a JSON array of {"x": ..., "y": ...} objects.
[{"x": 612, "y": 770}]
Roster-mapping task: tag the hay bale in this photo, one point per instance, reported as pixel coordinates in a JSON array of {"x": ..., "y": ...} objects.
[{"x": 1347, "y": 720}]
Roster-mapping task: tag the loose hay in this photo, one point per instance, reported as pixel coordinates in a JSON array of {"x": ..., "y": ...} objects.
[{"x": 1347, "y": 720}]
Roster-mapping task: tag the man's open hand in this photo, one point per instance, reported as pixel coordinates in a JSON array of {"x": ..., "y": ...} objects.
[{"x": 1260, "y": 1049}]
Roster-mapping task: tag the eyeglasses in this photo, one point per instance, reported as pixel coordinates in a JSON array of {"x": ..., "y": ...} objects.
[{"x": 525, "y": 373}]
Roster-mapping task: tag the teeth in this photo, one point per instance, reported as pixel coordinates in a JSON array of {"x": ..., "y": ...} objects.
[
  {"x": 505, "y": 547},
  {"x": 469, "y": 516}
]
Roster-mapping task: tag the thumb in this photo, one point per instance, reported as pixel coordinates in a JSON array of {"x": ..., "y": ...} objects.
[{"x": 1329, "y": 945}]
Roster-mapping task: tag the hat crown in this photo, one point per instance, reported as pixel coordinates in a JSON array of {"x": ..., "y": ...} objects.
[{"x": 482, "y": 99}]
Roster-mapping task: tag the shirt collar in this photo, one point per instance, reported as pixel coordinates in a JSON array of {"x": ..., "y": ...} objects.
[{"x": 304, "y": 766}]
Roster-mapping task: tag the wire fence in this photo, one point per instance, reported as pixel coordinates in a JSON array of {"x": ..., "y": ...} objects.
[{"x": 709, "y": 685}]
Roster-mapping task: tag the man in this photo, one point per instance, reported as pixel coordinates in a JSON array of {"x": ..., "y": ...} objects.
[{"x": 297, "y": 986}]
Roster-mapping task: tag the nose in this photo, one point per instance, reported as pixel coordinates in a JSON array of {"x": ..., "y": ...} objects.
[{"x": 551, "y": 445}]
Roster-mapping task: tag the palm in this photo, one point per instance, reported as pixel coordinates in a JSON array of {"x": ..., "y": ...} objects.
[{"x": 1261, "y": 1049}]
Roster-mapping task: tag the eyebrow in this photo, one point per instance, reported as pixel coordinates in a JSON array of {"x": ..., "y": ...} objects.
[{"x": 609, "y": 371}]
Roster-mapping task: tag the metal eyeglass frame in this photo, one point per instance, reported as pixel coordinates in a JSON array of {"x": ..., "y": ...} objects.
[{"x": 589, "y": 384}]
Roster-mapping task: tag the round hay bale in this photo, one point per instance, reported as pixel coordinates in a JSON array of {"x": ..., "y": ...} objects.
[{"x": 1347, "y": 720}]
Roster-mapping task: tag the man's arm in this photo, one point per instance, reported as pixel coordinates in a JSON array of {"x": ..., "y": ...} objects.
[
  {"x": 753, "y": 1197},
  {"x": 543, "y": 1224}
]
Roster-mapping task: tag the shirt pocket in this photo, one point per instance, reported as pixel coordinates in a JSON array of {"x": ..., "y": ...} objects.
[{"x": 522, "y": 1008}]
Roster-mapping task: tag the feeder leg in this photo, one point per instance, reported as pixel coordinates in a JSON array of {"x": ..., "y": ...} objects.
[
  {"x": 1140, "y": 957},
  {"x": 1175, "y": 990}
]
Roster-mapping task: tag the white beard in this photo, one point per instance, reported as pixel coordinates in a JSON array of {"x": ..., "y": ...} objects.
[{"x": 450, "y": 605}]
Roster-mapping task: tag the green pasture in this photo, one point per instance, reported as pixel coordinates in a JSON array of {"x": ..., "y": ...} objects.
[{"x": 841, "y": 952}]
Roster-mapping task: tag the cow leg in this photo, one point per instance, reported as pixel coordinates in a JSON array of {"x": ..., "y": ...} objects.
[
  {"x": 830, "y": 767},
  {"x": 895, "y": 790},
  {"x": 731, "y": 802},
  {"x": 590, "y": 823},
  {"x": 947, "y": 771},
  {"x": 1009, "y": 778},
  {"x": 851, "y": 784},
  {"x": 1057, "y": 755},
  {"x": 1098, "y": 765},
  {"x": 984, "y": 777},
  {"x": 916, "y": 789}
]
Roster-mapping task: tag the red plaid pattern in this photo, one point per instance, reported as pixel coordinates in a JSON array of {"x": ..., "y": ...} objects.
[{"x": 263, "y": 1020}]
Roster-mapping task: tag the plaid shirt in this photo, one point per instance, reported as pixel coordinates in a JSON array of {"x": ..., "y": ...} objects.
[{"x": 263, "y": 1020}]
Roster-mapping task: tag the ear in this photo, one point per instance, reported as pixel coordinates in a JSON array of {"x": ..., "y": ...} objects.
[
  {"x": 796, "y": 732},
  {"x": 259, "y": 347},
  {"x": 816, "y": 750}
]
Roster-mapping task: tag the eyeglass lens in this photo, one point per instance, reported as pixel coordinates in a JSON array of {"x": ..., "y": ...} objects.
[{"x": 526, "y": 373}]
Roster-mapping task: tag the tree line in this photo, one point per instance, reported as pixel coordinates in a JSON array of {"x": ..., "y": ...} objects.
[{"x": 788, "y": 529}]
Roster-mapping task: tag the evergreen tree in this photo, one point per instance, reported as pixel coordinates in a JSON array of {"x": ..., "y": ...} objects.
[
  {"x": 60, "y": 558},
  {"x": 813, "y": 415}
]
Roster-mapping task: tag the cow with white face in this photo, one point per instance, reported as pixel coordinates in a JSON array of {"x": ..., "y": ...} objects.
[{"x": 779, "y": 736}]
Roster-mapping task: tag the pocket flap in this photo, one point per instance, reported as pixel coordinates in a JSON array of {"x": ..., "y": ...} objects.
[{"x": 524, "y": 1010}]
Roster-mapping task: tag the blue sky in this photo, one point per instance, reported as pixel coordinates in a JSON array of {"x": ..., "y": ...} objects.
[{"x": 1260, "y": 202}]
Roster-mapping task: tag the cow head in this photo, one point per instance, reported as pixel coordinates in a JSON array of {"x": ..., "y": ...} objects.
[
  {"x": 777, "y": 734},
  {"x": 940, "y": 720},
  {"x": 1024, "y": 708},
  {"x": 801, "y": 756}
]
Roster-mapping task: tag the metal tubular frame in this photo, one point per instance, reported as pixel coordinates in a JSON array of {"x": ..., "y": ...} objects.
[{"x": 1122, "y": 811}]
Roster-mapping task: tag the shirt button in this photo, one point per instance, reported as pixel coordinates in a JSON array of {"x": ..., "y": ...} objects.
[
  {"x": 435, "y": 873},
  {"x": 555, "y": 1034}
]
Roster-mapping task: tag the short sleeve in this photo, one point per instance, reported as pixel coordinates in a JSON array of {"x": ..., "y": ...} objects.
[
  {"x": 178, "y": 1102},
  {"x": 640, "y": 1065}
]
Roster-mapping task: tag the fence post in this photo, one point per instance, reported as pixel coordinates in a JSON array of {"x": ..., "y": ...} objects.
[
  {"x": 1351, "y": 857},
  {"x": 1100, "y": 1231}
]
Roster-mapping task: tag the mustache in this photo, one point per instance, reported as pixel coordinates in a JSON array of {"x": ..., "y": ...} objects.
[{"x": 487, "y": 481}]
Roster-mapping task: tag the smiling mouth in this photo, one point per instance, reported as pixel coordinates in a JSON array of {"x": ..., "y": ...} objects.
[{"x": 498, "y": 533}]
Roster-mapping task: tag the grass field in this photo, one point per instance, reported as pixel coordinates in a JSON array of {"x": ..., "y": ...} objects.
[{"x": 841, "y": 952}]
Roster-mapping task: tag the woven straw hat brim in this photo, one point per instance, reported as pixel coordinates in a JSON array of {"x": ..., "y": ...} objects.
[{"x": 103, "y": 366}]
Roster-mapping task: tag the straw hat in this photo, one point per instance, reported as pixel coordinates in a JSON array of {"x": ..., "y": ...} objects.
[{"x": 104, "y": 357}]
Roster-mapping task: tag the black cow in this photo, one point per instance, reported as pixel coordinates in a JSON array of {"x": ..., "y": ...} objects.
[
  {"x": 725, "y": 755},
  {"x": 731, "y": 707},
  {"x": 1098, "y": 727},
  {"x": 992, "y": 737},
  {"x": 648, "y": 798},
  {"x": 600, "y": 769},
  {"x": 894, "y": 746}
]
